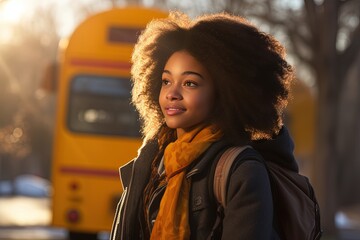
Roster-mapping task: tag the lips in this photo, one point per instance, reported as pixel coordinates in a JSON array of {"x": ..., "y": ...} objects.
[{"x": 171, "y": 111}]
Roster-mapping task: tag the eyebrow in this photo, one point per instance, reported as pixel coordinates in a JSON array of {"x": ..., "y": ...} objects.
[{"x": 186, "y": 73}]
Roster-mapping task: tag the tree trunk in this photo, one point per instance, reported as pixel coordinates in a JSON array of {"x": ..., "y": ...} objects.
[
  {"x": 349, "y": 139},
  {"x": 323, "y": 23},
  {"x": 325, "y": 181}
]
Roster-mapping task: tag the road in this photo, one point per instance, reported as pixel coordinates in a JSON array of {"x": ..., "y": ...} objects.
[
  {"x": 32, "y": 233},
  {"x": 27, "y": 218}
]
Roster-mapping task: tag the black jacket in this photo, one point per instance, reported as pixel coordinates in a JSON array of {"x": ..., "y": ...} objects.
[{"x": 249, "y": 211}]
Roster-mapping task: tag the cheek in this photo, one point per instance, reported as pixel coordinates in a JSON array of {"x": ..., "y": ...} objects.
[
  {"x": 161, "y": 97},
  {"x": 208, "y": 109},
  {"x": 206, "y": 104}
]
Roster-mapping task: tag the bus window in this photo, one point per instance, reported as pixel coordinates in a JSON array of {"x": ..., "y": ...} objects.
[
  {"x": 101, "y": 105},
  {"x": 123, "y": 35}
]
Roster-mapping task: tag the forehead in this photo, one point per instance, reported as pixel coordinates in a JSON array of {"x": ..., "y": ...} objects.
[{"x": 181, "y": 61}]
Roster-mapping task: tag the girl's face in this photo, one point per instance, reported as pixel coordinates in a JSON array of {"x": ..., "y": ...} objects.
[{"x": 187, "y": 93}]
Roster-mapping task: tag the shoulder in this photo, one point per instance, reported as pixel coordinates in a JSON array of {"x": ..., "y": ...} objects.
[
  {"x": 249, "y": 171},
  {"x": 248, "y": 159},
  {"x": 248, "y": 199}
]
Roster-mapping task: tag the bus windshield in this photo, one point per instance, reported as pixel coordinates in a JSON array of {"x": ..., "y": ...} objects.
[{"x": 101, "y": 105}]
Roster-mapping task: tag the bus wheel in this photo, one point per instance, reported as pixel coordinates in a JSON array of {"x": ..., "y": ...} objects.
[{"x": 82, "y": 236}]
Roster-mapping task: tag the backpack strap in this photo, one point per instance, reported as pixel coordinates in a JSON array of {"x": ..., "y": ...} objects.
[{"x": 222, "y": 171}]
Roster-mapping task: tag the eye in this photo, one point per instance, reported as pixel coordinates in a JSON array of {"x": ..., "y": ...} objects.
[
  {"x": 190, "y": 84},
  {"x": 165, "y": 82}
]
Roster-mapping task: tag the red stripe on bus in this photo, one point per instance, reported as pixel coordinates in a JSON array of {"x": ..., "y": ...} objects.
[
  {"x": 100, "y": 63},
  {"x": 89, "y": 171}
]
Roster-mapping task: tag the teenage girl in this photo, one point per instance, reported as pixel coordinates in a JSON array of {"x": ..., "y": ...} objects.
[{"x": 202, "y": 86}]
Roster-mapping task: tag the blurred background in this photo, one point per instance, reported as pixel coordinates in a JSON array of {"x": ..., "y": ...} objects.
[{"x": 322, "y": 38}]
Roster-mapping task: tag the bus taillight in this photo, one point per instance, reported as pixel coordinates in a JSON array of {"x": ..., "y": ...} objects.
[
  {"x": 73, "y": 216},
  {"x": 74, "y": 186}
]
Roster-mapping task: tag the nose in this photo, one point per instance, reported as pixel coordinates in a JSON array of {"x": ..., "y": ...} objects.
[{"x": 174, "y": 93}]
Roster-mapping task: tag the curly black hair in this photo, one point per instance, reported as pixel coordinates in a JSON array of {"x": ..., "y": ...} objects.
[{"x": 251, "y": 76}]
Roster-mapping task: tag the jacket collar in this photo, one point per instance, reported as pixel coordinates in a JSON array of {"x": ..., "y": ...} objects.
[{"x": 205, "y": 160}]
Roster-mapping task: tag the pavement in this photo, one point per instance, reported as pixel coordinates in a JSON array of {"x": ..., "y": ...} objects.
[
  {"x": 29, "y": 218},
  {"x": 348, "y": 221},
  {"x": 24, "y": 211},
  {"x": 32, "y": 233}
]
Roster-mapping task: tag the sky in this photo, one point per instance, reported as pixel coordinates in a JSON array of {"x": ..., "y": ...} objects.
[
  {"x": 10, "y": 13},
  {"x": 15, "y": 11}
]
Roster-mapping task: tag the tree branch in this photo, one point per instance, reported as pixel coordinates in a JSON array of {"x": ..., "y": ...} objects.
[
  {"x": 296, "y": 41},
  {"x": 348, "y": 56},
  {"x": 344, "y": 2},
  {"x": 291, "y": 27},
  {"x": 312, "y": 15}
]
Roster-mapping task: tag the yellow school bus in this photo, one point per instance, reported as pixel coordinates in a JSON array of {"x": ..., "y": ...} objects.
[{"x": 97, "y": 129}]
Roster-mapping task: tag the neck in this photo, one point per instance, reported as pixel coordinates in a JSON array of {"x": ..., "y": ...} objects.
[{"x": 181, "y": 131}]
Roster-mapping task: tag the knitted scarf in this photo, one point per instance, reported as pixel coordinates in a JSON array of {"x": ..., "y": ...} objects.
[{"x": 172, "y": 220}]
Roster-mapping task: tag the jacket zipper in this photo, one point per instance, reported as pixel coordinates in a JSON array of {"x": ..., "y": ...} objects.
[
  {"x": 159, "y": 189},
  {"x": 126, "y": 197},
  {"x": 156, "y": 192},
  {"x": 192, "y": 173}
]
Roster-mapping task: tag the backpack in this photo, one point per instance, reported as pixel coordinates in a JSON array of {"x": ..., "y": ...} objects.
[{"x": 296, "y": 210}]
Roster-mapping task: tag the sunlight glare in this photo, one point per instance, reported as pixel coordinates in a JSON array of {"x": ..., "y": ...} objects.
[{"x": 13, "y": 10}]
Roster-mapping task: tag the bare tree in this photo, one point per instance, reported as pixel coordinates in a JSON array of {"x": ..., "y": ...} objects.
[
  {"x": 330, "y": 64},
  {"x": 324, "y": 36}
]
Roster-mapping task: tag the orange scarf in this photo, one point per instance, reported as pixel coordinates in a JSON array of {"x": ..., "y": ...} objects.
[{"x": 172, "y": 220}]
